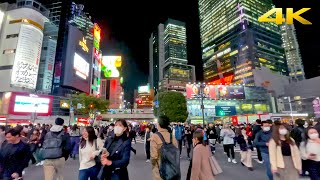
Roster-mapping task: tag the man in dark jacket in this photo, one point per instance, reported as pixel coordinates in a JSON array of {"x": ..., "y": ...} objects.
[
  {"x": 261, "y": 141},
  {"x": 317, "y": 126},
  {"x": 14, "y": 155},
  {"x": 55, "y": 150},
  {"x": 257, "y": 128},
  {"x": 298, "y": 133}
]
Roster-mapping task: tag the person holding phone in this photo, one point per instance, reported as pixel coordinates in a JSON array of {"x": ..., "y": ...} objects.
[
  {"x": 310, "y": 151},
  {"x": 284, "y": 154}
]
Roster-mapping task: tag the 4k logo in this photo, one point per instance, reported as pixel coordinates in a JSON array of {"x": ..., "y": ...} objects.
[{"x": 289, "y": 19}]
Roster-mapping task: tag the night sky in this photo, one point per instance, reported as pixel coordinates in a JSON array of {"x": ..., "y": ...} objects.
[{"x": 127, "y": 26}]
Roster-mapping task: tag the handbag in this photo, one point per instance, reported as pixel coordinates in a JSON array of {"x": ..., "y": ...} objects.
[
  {"x": 215, "y": 167},
  {"x": 97, "y": 158}
]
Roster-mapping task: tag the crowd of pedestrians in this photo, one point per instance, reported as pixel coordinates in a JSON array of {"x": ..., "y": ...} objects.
[{"x": 287, "y": 151}]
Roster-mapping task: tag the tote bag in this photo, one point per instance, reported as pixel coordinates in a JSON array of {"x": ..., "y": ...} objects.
[{"x": 215, "y": 167}]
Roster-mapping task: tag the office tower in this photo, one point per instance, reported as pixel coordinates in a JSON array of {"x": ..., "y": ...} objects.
[
  {"x": 292, "y": 52},
  {"x": 168, "y": 64},
  {"x": 234, "y": 42},
  {"x": 21, "y": 35}
]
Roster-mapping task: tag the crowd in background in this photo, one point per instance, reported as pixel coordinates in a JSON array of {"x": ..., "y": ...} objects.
[{"x": 287, "y": 151}]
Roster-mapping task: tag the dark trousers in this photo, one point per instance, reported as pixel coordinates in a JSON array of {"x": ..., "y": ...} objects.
[
  {"x": 148, "y": 150},
  {"x": 313, "y": 167},
  {"x": 259, "y": 154},
  {"x": 184, "y": 139},
  {"x": 180, "y": 145},
  {"x": 229, "y": 148},
  {"x": 189, "y": 149}
]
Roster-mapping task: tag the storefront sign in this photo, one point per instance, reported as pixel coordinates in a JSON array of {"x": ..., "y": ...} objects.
[
  {"x": 83, "y": 44},
  {"x": 225, "y": 110}
]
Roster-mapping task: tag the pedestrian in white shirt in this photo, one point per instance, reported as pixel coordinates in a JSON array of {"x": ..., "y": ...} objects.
[
  {"x": 90, "y": 147},
  {"x": 228, "y": 142}
]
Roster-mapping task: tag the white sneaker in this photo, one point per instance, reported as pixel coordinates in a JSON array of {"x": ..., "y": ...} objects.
[
  {"x": 38, "y": 164},
  {"x": 41, "y": 163},
  {"x": 234, "y": 161},
  {"x": 229, "y": 160},
  {"x": 260, "y": 162},
  {"x": 147, "y": 160}
]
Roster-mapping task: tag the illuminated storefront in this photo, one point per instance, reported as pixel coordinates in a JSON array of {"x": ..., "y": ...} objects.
[{"x": 236, "y": 43}]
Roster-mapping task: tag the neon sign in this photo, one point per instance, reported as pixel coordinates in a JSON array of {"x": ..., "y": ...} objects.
[
  {"x": 83, "y": 44},
  {"x": 96, "y": 35}
]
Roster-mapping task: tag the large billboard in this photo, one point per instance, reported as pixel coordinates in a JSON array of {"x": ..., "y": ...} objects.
[
  {"x": 194, "y": 91},
  {"x": 231, "y": 92},
  {"x": 111, "y": 65},
  {"x": 26, "y": 104},
  {"x": 49, "y": 63},
  {"x": 27, "y": 57},
  {"x": 144, "y": 89},
  {"x": 77, "y": 67}
]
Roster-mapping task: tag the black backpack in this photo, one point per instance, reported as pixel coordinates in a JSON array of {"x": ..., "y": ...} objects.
[
  {"x": 170, "y": 160},
  {"x": 52, "y": 146}
]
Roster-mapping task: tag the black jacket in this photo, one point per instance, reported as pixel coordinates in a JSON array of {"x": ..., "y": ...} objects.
[
  {"x": 120, "y": 157},
  {"x": 212, "y": 133},
  {"x": 298, "y": 134},
  {"x": 14, "y": 158},
  {"x": 244, "y": 145},
  {"x": 255, "y": 130}
]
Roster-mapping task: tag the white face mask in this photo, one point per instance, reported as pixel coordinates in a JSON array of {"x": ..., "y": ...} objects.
[
  {"x": 266, "y": 128},
  {"x": 314, "y": 136},
  {"x": 118, "y": 131},
  {"x": 283, "y": 131}
]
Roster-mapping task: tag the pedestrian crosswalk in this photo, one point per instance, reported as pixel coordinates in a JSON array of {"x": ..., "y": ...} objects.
[
  {"x": 138, "y": 140},
  {"x": 254, "y": 153}
]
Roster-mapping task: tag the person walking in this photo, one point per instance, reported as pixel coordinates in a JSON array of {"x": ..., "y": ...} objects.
[
  {"x": 147, "y": 139},
  {"x": 178, "y": 135},
  {"x": 74, "y": 140},
  {"x": 189, "y": 137},
  {"x": 261, "y": 141},
  {"x": 2, "y": 134},
  {"x": 228, "y": 142},
  {"x": 115, "y": 159},
  {"x": 201, "y": 168},
  {"x": 156, "y": 144},
  {"x": 55, "y": 151},
  {"x": 34, "y": 145},
  {"x": 90, "y": 147},
  {"x": 212, "y": 137},
  {"x": 284, "y": 155},
  {"x": 310, "y": 152},
  {"x": 246, "y": 147},
  {"x": 14, "y": 155}
]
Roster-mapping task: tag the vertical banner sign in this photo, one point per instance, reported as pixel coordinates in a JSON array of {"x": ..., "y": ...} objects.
[
  {"x": 26, "y": 62},
  {"x": 50, "y": 58}
]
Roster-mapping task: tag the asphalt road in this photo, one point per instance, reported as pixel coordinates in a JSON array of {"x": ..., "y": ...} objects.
[{"x": 140, "y": 170}]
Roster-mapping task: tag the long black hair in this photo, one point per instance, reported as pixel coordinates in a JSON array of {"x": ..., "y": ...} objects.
[{"x": 91, "y": 137}]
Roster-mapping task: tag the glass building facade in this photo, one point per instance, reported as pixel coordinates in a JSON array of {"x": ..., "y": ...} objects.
[{"x": 234, "y": 42}]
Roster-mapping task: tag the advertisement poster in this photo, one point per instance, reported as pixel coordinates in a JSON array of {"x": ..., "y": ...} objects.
[
  {"x": 26, "y": 63},
  {"x": 49, "y": 61},
  {"x": 194, "y": 91},
  {"x": 231, "y": 92},
  {"x": 316, "y": 107}
]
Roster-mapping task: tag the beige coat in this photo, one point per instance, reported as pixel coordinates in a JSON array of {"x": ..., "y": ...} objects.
[
  {"x": 276, "y": 157},
  {"x": 201, "y": 168},
  {"x": 155, "y": 146}
]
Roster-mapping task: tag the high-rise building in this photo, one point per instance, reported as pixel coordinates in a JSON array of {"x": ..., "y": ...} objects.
[
  {"x": 21, "y": 35},
  {"x": 168, "y": 55},
  {"x": 292, "y": 51},
  {"x": 234, "y": 42}
]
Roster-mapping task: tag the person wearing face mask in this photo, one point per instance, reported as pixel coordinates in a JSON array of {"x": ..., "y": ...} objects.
[
  {"x": 245, "y": 142},
  {"x": 110, "y": 131},
  {"x": 117, "y": 160},
  {"x": 228, "y": 142},
  {"x": 261, "y": 141},
  {"x": 310, "y": 152},
  {"x": 285, "y": 159}
]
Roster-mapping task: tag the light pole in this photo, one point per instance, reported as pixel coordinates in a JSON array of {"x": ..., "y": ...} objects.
[{"x": 201, "y": 94}]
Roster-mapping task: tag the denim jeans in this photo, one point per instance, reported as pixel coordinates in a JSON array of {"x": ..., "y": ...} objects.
[
  {"x": 266, "y": 159},
  {"x": 92, "y": 172}
]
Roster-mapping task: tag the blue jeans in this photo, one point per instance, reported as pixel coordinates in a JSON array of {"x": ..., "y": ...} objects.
[
  {"x": 313, "y": 168},
  {"x": 266, "y": 159},
  {"x": 75, "y": 140},
  {"x": 92, "y": 172}
]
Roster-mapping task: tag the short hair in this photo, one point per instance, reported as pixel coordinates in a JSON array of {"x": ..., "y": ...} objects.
[
  {"x": 277, "y": 123},
  {"x": 269, "y": 121},
  {"x": 2, "y": 128},
  {"x": 164, "y": 121},
  {"x": 258, "y": 121},
  {"x": 299, "y": 122},
  {"x": 264, "y": 122},
  {"x": 13, "y": 132},
  {"x": 112, "y": 124}
]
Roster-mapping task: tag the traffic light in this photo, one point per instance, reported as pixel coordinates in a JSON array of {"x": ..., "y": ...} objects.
[{"x": 139, "y": 101}]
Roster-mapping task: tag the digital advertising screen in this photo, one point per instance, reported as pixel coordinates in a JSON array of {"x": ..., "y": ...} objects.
[
  {"x": 231, "y": 92},
  {"x": 144, "y": 89},
  {"x": 81, "y": 66},
  {"x": 111, "y": 66},
  {"x": 25, "y": 104},
  {"x": 225, "y": 110},
  {"x": 194, "y": 91}
]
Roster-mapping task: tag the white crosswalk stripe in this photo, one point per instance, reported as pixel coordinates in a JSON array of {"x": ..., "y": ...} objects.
[{"x": 254, "y": 153}]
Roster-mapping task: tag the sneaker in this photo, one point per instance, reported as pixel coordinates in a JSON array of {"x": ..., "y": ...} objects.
[
  {"x": 148, "y": 160},
  {"x": 229, "y": 160},
  {"x": 41, "y": 163},
  {"x": 38, "y": 164},
  {"x": 234, "y": 161},
  {"x": 260, "y": 162}
]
